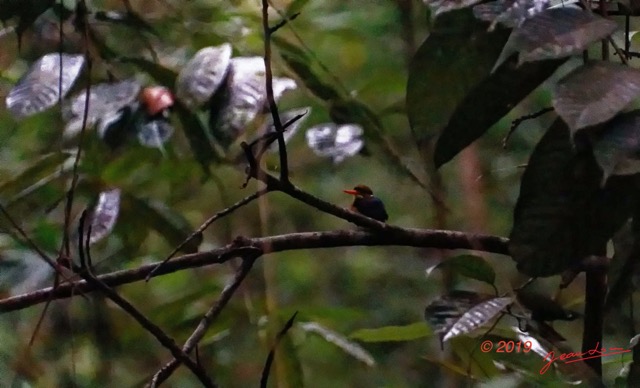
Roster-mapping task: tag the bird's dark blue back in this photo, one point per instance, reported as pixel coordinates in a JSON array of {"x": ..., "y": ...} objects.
[{"x": 372, "y": 207}]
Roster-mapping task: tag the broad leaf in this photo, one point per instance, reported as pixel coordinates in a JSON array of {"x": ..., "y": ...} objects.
[
  {"x": 349, "y": 347},
  {"x": 509, "y": 13},
  {"x": 470, "y": 266},
  {"x": 442, "y": 6},
  {"x": 617, "y": 146},
  {"x": 458, "y": 55},
  {"x": 41, "y": 87},
  {"x": 105, "y": 103},
  {"x": 393, "y": 333},
  {"x": 557, "y": 33},
  {"x": 243, "y": 99},
  {"x": 203, "y": 75},
  {"x": 595, "y": 92},
  {"x": 562, "y": 214},
  {"x": 507, "y": 86}
]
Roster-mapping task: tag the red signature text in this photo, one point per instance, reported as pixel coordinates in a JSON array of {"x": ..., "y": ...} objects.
[{"x": 568, "y": 358}]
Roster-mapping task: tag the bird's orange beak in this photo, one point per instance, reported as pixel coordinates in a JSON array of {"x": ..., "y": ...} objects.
[{"x": 352, "y": 192}]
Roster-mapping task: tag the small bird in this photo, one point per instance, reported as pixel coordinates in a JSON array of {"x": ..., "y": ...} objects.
[{"x": 367, "y": 204}]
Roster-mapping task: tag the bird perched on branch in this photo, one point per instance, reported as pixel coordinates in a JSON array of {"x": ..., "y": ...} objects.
[{"x": 367, "y": 204}]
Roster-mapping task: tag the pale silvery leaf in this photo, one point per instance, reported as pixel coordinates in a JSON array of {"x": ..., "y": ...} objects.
[
  {"x": 244, "y": 100},
  {"x": 203, "y": 75},
  {"x": 335, "y": 141},
  {"x": 282, "y": 85},
  {"x": 104, "y": 215},
  {"x": 510, "y": 13},
  {"x": 105, "y": 101},
  {"x": 41, "y": 88},
  {"x": 476, "y": 317}
]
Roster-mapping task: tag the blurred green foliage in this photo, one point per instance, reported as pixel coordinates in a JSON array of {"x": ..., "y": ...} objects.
[{"x": 361, "y": 48}]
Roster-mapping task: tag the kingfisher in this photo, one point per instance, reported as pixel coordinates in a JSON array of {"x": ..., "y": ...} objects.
[{"x": 367, "y": 204}]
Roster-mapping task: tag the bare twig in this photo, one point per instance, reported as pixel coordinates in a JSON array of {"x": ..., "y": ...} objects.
[
  {"x": 86, "y": 273},
  {"x": 282, "y": 147},
  {"x": 206, "y": 224},
  {"x": 261, "y": 144},
  {"x": 421, "y": 238},
  {"x": 64, "y": 248},
  {"x": 267, "y": 365},
  {"x": 208, "y": 319},
  {"x": 283, "y": 22},
  {"x": 516, "y": 123}
]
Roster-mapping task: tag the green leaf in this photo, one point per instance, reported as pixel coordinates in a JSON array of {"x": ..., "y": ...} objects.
[
  {"x": 562, "y": 214},
  {"x": 507, "y": 86},
  {"x": 38, "y": 173},
  {"x": 470, "y": 266},
  {"x": 157, "y": 216},
  {"x": 196, "y": 133},
  {"x": 458, "y": 55},
  {"x": 393, "y": 333}
]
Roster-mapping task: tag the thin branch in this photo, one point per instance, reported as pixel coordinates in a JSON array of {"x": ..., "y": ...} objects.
[
  {"x": 282, "y": 147},
  {"x": 273, "y": 183},
  {"x": 206, "y": 224},
  {"x": 283, "y": 22},
  {"x": 516, "y": 123},
  {"x": 166, "y": 341},
  {"x": 64, "y": 248},
  {"x": 420, "y": 238},
  {"x": 208, "y": 319},
  {"x": 264, "y": 379}
]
